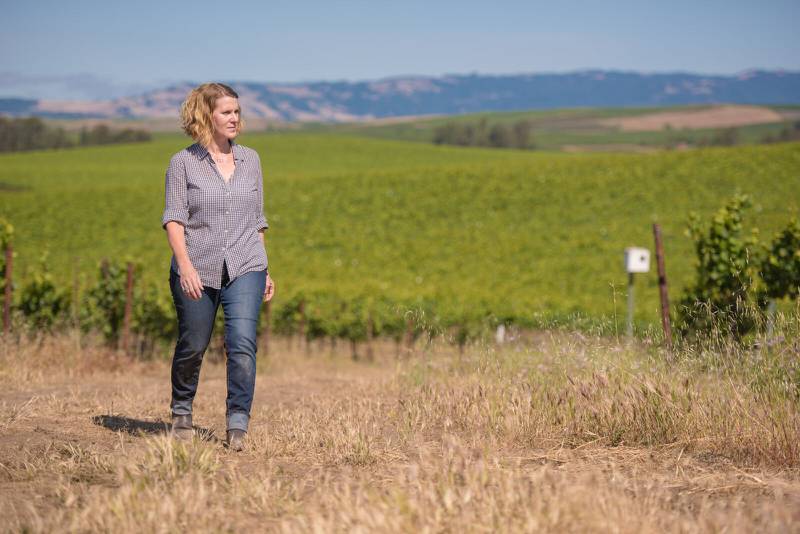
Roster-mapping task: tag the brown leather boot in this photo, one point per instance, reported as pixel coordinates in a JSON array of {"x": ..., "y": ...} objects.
[
  {"x": 182, "y": 427},
  {"x": 235, "y": 439}
]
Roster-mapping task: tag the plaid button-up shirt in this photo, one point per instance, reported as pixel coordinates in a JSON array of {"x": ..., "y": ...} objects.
[{"x": 221, "y": 219}]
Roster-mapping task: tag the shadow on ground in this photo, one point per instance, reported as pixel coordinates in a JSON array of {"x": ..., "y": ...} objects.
[
  {"x": 137, "y": 427},
  {"x": 119, "y": 423}
]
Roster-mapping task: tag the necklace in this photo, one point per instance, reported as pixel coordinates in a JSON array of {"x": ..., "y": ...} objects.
[
  {"x": 222, "y": 161},
  {"x": 224, "y": 157}
]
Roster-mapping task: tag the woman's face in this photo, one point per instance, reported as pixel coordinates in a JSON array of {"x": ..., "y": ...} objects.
[{"x": 226, "y": 117}]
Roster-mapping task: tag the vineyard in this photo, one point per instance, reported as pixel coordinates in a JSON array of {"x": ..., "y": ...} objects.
[
  {"x": 609, "y": 129},
  {"x": 364, "y": 231}
]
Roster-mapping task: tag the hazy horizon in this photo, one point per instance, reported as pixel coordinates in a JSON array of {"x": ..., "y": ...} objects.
[{"x": 119, "y": 91}]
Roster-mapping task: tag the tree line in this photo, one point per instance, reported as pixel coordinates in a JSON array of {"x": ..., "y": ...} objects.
[
  {"x": 519, "y": 135},
  {"x": 499, "y": 135},
  {"x": 31, "y": 133},
  {"x": 731, "y": 137},
  {"x": 787, "y": 133}
]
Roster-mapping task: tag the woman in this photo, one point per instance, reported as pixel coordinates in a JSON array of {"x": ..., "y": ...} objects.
[{"x": 214, "y": 219}]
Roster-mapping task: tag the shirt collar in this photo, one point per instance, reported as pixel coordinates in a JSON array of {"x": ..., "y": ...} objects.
[{"x": 238, "y": 151}]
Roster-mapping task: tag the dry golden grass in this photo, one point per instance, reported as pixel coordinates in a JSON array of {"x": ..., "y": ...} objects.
[{"x": 563, "y": 433}]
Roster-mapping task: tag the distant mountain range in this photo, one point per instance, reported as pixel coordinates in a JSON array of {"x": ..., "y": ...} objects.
[{"x": 338, "y": 101}]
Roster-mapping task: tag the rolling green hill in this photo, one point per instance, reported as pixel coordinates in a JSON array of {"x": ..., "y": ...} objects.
[
  {"x": 519, "y": 234},
  {"x": 573, "y": 128}
]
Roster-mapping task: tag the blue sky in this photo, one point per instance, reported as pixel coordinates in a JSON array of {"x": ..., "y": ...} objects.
[{"x": 93, "y": 49}]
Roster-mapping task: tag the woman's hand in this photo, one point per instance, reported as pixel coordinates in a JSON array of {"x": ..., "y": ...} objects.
[
  {"x": 191, "y": 284},
  {"x": 269, "y": 290}
]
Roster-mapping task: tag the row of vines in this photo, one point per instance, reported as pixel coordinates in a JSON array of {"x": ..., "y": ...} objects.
[
  {"x": 732, "y": 269},
  {"x": 41, "y": 305}
]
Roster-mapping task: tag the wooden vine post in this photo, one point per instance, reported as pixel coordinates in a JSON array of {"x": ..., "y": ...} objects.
[
  {"x": 105, "y": 269},
  {"x": 7, "y": 296},
  {"x": 409, "y": 341},
  {"x": 126, "y": 318},
  {"x": 370, "y": 336},
  {"x": 662, "y": 286},
  {"x": 301, "y": 327}
]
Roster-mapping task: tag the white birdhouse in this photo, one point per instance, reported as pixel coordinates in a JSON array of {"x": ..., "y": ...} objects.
[{"x": 637, "y": 260}]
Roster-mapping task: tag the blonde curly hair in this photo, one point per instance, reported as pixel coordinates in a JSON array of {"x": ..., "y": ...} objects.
[{"x": 198, "y": 107}]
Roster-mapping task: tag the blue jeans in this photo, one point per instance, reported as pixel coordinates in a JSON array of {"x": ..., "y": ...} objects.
[{"x": 241, "y": 300}]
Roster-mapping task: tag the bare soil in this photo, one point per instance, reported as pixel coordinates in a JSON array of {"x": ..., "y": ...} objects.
[
  {"x": 715, "y": 117},
  {"x": 615, "y": 147}
]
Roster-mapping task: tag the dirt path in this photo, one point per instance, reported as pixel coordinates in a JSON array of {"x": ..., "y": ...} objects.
[
  {"x": 93, "y": 409},
  {"x": 115, "y": 413}
]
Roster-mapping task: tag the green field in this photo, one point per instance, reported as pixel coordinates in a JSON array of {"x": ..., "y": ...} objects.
[
  {"x": 520, "y": 234},
  {"x": 559, "y": 128}
]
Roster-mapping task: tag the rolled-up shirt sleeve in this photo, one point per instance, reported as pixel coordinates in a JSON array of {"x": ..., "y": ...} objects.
[
  {"x": 176, "y": 205},
  {"x": 261, "y": 220}
]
